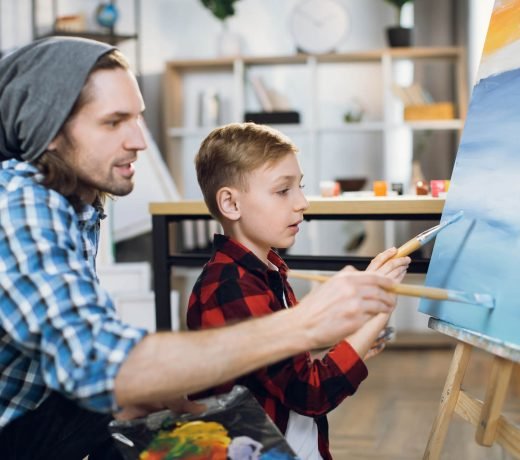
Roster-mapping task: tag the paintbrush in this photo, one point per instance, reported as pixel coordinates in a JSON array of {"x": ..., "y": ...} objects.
[
  {"x": 412, "y": 290},
  {"x": 422, "y": 238}
]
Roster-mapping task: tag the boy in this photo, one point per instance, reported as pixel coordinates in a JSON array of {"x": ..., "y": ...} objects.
[{"x": 251, "y": 182}]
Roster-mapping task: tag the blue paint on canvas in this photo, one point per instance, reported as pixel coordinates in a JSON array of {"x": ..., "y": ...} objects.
[{"x": 481, "y": 252}]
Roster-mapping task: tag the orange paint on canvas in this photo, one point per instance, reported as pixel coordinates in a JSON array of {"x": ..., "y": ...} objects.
[{"x": 504, "y": 26}]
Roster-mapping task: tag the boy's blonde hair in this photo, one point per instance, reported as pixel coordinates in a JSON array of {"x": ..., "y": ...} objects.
[{"x": 231, "y": 152}]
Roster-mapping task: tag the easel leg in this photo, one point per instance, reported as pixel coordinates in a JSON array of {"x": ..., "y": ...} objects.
[
  {"x": 448, "y": 402},
  {"x": 495, "y": 396}
]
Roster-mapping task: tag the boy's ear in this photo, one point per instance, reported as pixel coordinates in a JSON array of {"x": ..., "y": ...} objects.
[{"x": 228, "y": 203}]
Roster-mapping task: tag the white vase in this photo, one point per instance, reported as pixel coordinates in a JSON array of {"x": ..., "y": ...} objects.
[{"x": 229, "y": 44}]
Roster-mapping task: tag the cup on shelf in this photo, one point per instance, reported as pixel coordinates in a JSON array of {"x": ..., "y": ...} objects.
[
  {"x": 421, "y": 188},
  {"x": 329, "y": 188},
  {"x": 380, "y": 188}
]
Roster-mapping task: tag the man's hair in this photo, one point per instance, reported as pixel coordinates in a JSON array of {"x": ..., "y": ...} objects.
[
  {"x": 58, "y": 175},
  {"x": 231, "y": 152}
]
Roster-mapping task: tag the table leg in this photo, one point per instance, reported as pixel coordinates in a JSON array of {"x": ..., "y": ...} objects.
[{"x": 161, "y": 273}]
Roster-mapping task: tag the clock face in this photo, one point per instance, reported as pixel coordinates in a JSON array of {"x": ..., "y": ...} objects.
[{"x": 318, "y": 26}]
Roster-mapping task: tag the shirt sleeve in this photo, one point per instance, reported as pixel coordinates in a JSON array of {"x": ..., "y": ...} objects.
[
  {"x": 309, "y": 387},
  {"x": 53, "y": 307}
]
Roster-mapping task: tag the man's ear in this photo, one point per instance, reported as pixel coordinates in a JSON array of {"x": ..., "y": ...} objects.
[
  {"x": 228, "y": 203},
  {"x": 53, "y": 145}
]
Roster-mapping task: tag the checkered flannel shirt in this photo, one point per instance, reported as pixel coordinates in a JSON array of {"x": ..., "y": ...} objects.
[
  {"x": 235, "y": 285},
  {"x": 58, "y": 329}
]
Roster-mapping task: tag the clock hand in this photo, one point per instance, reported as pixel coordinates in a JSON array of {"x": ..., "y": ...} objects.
[
  {"x": 321, "y": 21},
  {"x": 310, "y": 18}
]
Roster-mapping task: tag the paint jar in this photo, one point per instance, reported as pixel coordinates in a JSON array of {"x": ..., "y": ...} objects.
[
  {"x": 421, "y": 188},
  {"x": 397, "y": 187},
  {"x": 380, "y": 188},
  {"x": 437, "y": 187},
  {"x": 329, "y": 188}
]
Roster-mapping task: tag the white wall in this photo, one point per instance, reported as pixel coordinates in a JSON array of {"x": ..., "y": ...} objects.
[{"x": 174, "y": 29}]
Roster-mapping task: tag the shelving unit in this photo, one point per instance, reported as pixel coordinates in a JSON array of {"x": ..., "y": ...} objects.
[
  {"x": 180, "y": 128},
  {"x": 110, "y": 36}
]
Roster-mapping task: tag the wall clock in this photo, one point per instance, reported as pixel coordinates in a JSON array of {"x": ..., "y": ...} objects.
[{"x": 318, "y": 26}]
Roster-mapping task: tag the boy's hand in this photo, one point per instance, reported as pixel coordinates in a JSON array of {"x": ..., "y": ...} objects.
[
  {"x": 385, "y": 265},
  {"x": 345, "y": 302},
  {"x": 380, "y": 343}
]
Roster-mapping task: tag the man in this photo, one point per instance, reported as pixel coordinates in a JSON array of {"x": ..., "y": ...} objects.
[{"x": 70, "y": 131}]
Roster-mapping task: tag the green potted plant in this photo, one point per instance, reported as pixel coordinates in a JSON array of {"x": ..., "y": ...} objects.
[
  {"x": 221, "y": 9},
  {"x": 228, "y": 43},
  {"x": 398, "y": 35}
]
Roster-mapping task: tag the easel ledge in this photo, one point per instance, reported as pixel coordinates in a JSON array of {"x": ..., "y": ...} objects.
[{"x": 486, "y": 415}]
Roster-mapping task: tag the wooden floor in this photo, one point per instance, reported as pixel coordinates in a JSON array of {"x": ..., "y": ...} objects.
[{"x": 390, "y": 416}]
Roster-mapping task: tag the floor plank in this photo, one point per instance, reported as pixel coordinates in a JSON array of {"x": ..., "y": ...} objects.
[{"x": 390, "y": 416}]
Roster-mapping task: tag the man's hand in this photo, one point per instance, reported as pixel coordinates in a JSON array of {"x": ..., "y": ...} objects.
[
  {"x": 385, "y": 265},
  {"x": 341, "y": 305},
  {"x": 178, "y": 406}
]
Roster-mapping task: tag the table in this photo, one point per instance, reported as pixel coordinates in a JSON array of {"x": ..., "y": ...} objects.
[{"x": 338, "y": 208}]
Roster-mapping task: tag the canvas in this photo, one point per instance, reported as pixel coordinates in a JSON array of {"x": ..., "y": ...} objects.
[{"x": 479, "y": 253}]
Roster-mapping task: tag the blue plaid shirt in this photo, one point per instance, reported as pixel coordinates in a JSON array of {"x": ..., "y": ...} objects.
[{"x": 58, "y": 328}]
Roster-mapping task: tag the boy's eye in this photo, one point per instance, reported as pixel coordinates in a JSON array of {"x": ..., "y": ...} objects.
[
  {"x": 283, "y": 191},
  {"x": 302, "y": 186}
]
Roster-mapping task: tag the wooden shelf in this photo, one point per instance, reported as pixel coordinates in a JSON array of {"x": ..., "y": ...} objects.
[
  {"x": 404, "y": 205},
  {"x": 112, "y": 39},
  {"x": 292, "y": 59}
]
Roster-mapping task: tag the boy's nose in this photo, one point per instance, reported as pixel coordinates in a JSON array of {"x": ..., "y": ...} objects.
[{"x": 302, "y": 203}]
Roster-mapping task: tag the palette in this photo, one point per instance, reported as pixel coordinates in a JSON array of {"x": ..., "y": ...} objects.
[{"x": 233, "y": 427}]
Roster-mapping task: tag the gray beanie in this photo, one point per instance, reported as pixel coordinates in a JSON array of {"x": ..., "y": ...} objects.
[{"x": 39, "y": 84}]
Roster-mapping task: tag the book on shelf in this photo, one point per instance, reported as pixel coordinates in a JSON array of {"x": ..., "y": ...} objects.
[
  {"x": 271, "y": 118},
  {"x": 261, "y": 93}
]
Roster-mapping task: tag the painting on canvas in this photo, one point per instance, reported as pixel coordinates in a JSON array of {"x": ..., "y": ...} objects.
[{"x": 480, "y": 253}]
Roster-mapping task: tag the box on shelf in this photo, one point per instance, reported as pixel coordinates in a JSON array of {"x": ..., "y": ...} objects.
[
  {"x": 271, "y": 118},
  {"x": 434, "y": 111}
]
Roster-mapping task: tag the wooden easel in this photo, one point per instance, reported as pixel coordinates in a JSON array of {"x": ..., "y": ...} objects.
[{"x": 486, "y": 415}]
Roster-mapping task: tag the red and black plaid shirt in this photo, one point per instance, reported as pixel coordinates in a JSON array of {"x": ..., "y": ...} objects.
[{"x": 235, "y": 285}]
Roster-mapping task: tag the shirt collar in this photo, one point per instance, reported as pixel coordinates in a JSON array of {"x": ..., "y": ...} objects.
[
  {"x": 88, "y": 214},
  {"x": 245, "y": 257}
]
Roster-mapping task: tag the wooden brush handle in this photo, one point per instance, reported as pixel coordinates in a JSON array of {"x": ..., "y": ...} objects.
[
  {"x": 408, "y": 248},
  {"x": 411, "y": 290}
]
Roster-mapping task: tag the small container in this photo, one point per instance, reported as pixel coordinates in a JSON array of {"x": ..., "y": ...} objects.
[
  {"x": 421, "y": 188},
  {"x": 329, "y": 188},
  {"x": 397, "y": 187},
  {"x": 380, "y": 188},
  {"x": 437, "y": 187}
]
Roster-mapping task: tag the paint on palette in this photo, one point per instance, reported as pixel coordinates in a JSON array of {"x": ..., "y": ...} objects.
[
  {"x": 478, "y": 253},
  {"x": 235, "y": 427}
]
